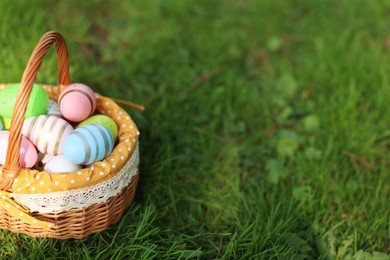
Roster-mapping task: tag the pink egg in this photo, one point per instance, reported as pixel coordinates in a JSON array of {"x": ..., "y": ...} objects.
[
  {"x": 77, "y": 102},
  {"x": 28, "y": 154}
]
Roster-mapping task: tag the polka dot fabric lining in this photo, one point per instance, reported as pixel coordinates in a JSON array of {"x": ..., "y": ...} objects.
[
  {"x": 33, "y": 181},
  {"x": 81, "y": 198}
]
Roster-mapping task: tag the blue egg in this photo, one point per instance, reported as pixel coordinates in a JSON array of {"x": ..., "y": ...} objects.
[{"x": 88, "y": 144}]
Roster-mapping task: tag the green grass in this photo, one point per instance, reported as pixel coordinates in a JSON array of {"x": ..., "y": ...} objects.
[{"x": 267, "y": 127}]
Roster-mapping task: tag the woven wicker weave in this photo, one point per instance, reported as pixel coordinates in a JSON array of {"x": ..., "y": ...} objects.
[{"x": 75, "y": 223}]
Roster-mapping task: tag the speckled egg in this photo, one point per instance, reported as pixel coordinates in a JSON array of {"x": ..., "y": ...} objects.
[
  {"x": 47, "y": 133},
  {"x": 77, "y": 102},
  {"x": 37, "y": 103},
  {"x": 103, "y": 120},
  {"x": 59, "y": 164},
  {"x": 6, "y": 122},
  {"x": 28, "y": 154},
  {"x": 88, "y": 144}
]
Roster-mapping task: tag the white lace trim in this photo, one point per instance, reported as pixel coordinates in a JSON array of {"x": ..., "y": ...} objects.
[{"x": 81, "y": 198}]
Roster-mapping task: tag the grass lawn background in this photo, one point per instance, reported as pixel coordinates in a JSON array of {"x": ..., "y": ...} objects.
[{"x": 267, "y": 129}]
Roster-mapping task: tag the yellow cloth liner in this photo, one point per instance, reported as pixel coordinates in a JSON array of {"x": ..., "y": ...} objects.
[
  {"x": 19, "y": 211},
  {"x": 33, "y": 181}
]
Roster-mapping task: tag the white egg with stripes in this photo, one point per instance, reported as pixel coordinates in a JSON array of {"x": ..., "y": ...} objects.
[
  {"x": 47, "y": 133},
  {"x": 88, "y": 144}
]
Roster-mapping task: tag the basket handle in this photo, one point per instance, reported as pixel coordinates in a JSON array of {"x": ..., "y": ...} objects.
[{"x": 12, "y": 166}]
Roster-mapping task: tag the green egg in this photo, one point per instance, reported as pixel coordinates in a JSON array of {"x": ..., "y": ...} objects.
[
  {"x": 103, "y": 120},
  {"x": 5, "y": 123},
  {"x": 37, "y": 104}
]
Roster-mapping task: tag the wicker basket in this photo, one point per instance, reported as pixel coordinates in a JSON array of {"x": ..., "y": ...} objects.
[{"x": 74, "y": 219}]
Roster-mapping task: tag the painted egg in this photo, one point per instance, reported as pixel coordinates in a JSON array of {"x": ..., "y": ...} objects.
[
  {"x": 47, "y": 133},
  {"x": 77, "y": 102},
  {"x": 60, "y": 163},
  {"x": 53, "y": 109},
  {"x": 6, "y": 123},
  {"x": 103, "y": 120},
  {"x": 28, "y": 154},
  {"x": 37, "y": 103},
  {"x": 88, "y": 144},
  {"x": 42, "y": 160}
]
